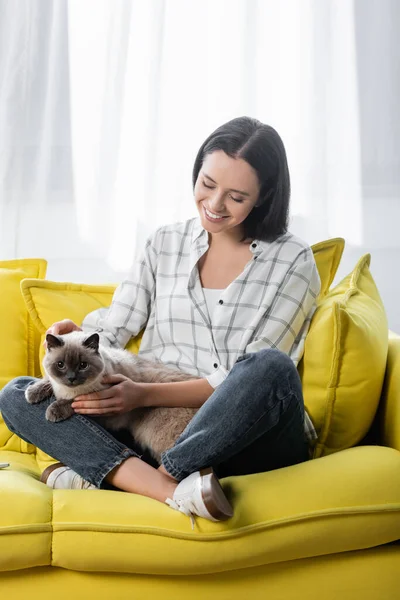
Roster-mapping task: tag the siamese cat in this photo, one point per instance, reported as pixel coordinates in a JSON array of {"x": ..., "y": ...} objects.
[{"x": 75, "y": 364}]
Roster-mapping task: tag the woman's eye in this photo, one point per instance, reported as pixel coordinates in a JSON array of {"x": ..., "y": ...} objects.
[
  {"x": 210, "y": 187},
  {"x": 83, "y": 365},
  {"x": 60, "y": 364}
]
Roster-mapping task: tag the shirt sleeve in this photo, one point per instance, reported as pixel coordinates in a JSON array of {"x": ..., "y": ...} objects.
[
  {"x": 131, "y": 303},
  {"x": 286, "y": 322},
  {"x": 217, "y": 377}
]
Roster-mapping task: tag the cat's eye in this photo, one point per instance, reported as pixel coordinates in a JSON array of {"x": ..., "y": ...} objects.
[
  {"x": 83, "y": 365},
  {"x": 60, "y": 364}
]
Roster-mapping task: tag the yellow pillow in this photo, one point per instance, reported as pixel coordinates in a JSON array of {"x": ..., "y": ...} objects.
[
  {"x": 344, "y": 361},
  {"x": 327, "y": 257},
  {"x": 51, "y": 301},
  {"x": 19, "y": 340}
]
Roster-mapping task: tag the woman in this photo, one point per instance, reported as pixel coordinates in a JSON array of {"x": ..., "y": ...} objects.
[{"x": 227, "y": 296}]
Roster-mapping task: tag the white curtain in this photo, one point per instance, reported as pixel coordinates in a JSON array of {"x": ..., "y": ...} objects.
[{"x": 104, "y": 104}]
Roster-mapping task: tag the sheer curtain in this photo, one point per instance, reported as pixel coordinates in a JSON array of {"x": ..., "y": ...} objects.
[{"x": 104, "y": 104}]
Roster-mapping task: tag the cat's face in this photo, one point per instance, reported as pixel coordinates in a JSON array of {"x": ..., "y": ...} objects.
[{"x": 73, "y": 359}]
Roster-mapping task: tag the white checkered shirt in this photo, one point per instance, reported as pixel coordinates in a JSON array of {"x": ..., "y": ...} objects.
[{"x": 269, "y": 305}]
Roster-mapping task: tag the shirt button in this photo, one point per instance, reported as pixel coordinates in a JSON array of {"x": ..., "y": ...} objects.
[
  {"x": 215, "y": 366},
  {"x": 255, "y": 258},
  {"x": 220, "y": 301},
  {"x": 254, "y": 245}
]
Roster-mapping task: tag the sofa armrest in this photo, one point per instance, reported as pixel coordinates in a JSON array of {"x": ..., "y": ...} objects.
[{"x": 389, "y": 408}]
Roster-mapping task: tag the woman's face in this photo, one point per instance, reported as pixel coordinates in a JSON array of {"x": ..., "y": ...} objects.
[{"x": 228, "y": 188}]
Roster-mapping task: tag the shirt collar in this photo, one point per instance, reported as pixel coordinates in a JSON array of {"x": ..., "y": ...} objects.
[{"x": 198, "y": 230}]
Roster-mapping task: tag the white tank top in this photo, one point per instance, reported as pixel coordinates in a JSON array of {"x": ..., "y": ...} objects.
[{"x": 212, "y": 296}]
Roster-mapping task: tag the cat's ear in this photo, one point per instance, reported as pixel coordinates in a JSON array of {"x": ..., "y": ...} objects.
[
  {"x": 53, "y": 341},
  {"x": 92, "y": 342}
]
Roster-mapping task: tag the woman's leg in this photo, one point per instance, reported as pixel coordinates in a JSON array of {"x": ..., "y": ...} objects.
[
  {"x": 253, "y": 422},
  {"x": 82, "y": 444}
]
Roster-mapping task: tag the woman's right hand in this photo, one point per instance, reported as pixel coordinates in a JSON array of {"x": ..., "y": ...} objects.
[{"x": 62, "y": 327}]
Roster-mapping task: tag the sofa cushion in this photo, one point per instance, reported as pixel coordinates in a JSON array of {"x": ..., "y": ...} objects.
[
  {"x": 19, "y": 339},
  {"x": 327, "y": 255},
  {"x": 339, "y": 503},
  {"x": 389, "y": 406},
  {"x": 25, "y": 514},
  {"x": 344, "y": 361},
  {"x": 51, "y": 301}
]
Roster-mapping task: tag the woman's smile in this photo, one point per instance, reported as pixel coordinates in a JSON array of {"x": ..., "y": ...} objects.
[{"x": 210, "y": 216}]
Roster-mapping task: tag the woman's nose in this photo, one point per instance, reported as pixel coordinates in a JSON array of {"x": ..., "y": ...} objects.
[{"x": 216, "y": 202}]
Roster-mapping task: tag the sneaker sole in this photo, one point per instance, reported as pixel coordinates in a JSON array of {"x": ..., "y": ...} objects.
[
  {"x": 214, "y": 497},
  {"x": 45, "y": 475}
]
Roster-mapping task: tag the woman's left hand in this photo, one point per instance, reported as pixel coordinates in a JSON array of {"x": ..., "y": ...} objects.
[{"x": 123, "y": 395}]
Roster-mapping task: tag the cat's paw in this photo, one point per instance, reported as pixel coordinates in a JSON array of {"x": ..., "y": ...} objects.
[
  {"x": 54, "y": 414},
  {"x": 34, "y": 394},
  {"x": 59, "y": 411}
]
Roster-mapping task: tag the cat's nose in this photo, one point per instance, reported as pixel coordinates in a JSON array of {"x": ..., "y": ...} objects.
[{"x": 71, "y": 377}]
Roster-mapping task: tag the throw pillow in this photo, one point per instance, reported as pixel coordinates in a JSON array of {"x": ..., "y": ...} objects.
[
  {"x": 344, "y": 361},
  {"x": 327, "y": 255},
  {"x": 19, "y": 339},
  {"x": 51, "y": 301}
]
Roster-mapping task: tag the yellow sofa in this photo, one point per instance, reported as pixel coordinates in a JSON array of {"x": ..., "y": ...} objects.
[{"x": 327, "y": 528}]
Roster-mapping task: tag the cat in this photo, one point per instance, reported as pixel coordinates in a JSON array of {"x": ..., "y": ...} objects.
[{"x": 75, "y": 364}]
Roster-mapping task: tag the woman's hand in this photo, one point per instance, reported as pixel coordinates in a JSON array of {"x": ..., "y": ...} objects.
[
  {"x": 62, "y": 327},
  {"x": 123, "y": 395}
]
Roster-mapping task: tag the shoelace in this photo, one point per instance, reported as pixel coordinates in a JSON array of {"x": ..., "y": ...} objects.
[{"x": 180, "y": 505}]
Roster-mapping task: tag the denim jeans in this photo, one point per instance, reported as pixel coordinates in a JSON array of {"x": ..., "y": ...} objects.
[{"x": 253, "y": 422}]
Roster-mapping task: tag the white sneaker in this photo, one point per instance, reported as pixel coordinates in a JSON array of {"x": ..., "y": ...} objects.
[
  {"x": 201, "y": 494},
  {"x": 58, "y": 476}
]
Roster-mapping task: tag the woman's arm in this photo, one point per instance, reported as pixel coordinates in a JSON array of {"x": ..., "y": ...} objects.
[
  {"x": 286, "y": 322},
  {"x": 131, "y": 304},
  {"x": 191, "y": 393}
]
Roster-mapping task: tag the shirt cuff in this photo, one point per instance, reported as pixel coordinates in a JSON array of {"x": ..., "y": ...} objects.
[{"x": 217, "y": 377}]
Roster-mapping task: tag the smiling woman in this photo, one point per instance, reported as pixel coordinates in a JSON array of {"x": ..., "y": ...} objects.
[
  {"x": 242, "y": 339},
  {"x": 231, "y": 178}
]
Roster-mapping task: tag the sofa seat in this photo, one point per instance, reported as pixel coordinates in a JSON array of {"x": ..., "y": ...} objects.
[
  {"x": 351, "y": 501},
  {"x": 366, "y": 574}
]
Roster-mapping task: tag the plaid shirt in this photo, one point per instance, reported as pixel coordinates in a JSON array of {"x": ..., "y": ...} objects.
[{"x": 269, "y": 305}]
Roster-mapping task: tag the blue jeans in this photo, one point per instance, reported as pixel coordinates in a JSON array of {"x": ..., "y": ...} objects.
[{"x": 253, "y": 422}]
